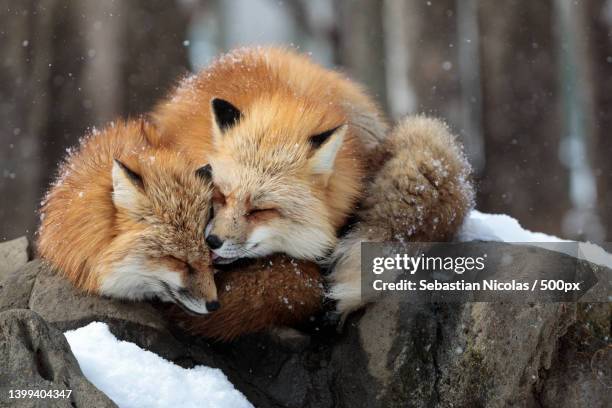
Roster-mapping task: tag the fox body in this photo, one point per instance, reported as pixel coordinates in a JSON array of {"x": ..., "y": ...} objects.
[
  {"x": 285, "y": 140},
  {"x": 420, "y": 192},
  {"x": 127, "y": 220}
]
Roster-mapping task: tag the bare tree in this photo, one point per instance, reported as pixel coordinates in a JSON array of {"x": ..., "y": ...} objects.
[
  {"x": 68, "y": 66},
  {"x": 361, "y": 44},
  {"x": 434, "y": 66},
  {"x": 26, "y": 40},
  {"x": 599, "y": 77},
  {"x": 522, "y": 123}
]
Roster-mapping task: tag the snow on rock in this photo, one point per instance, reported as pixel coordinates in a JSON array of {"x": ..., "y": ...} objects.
[
  {"x": 499, "y": 227},
  {"x": 136, "y": 378},
  {"x": 480, "y": 226}
]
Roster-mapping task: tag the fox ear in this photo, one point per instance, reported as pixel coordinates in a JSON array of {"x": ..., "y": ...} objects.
[
  {"x": 225, "y": 115},
  {"x": 327, "y": 145},
  {"x": 127, "y": 186}
]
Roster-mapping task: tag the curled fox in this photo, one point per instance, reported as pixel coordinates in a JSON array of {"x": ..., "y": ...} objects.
[
  {"x": 291, "y": 147},
  {"x": 286, "y": 141},
  {"x": 126, "y": 220},
  {"x": 291, "y": 150}
]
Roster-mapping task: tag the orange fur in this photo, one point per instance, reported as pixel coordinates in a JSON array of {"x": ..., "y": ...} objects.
[
  {"x": 274, "y": 291},
  {"x": 154, "y": 235},
  {"x": 284, "y": 99}
]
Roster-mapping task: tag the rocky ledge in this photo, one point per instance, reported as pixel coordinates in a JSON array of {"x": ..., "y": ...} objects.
[{"x": 393, "y": 354}]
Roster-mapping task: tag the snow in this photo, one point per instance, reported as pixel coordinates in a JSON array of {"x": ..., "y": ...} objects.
[
  {"x": 136, "y": 378},
  {"x": 499, "y": 227},
  {"x": 480, "y": 226}
]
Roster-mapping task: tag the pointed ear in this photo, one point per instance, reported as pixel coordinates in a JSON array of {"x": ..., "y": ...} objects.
[
  {"x": 127, "y": 186},
  {"x": 225, "y": 115},
  {"x": 326, "y": 145}
]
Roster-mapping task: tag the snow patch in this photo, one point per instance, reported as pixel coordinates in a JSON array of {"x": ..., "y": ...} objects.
[
  {"x": 499, "y": 227},
  {"x": 136, "y": 378},
  {"x": 480, "y": 226}
]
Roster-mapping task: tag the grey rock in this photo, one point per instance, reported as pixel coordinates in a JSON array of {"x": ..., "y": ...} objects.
[
  {"x": 13, "y": 255},
  {"x": 16, "y": 288},
  {"x": 581, "y": 374},
  {"x": 392, "y": 354},
  {"x": 458, "y": 354},
  {"x": 36, "y": 356},
  {"x": 59, "y": 303}
]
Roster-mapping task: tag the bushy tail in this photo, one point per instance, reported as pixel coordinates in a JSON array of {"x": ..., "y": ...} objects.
[
  {"x": 275, "y": 291},
  {"x": 421, "y": 193}
]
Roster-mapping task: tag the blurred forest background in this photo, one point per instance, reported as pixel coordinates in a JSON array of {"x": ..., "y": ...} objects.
[{"x": 527, "y": 84}]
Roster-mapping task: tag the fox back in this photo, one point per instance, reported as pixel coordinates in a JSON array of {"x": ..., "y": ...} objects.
[
  {"x": 127, "y": 220},
  {"x": 285, "y": 140}
]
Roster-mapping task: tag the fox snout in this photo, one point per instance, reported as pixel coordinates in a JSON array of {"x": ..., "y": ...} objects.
[
  {"x": 196, "y": 293},
  {"x": 214, "y": 242},
  {"x": 200, "y": 293},
  {"x": 226, "y": 235}
]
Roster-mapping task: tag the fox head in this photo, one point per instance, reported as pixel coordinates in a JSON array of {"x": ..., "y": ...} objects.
[
  {"x": 270, "y": 167},
  {"x": 162, "y": 207}
]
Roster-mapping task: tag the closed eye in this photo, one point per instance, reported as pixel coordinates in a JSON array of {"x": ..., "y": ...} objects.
[
  {"x": 263, "y": 212},
  {"x": 184, "y": 265},
  {"x": 178, "y": 264},
  {"x": 218, "y": 197}
]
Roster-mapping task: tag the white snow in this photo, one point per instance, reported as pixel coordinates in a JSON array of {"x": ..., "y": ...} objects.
[
  {"x": 480, "y": 226},
  {"x": 499, "y": 227},
  {"x": 136, "y": 378}
]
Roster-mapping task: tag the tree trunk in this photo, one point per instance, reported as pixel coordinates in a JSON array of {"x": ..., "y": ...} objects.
[
  {"x": 442, "y": 43},
  {"x": 521, "y": 114},
  {"x": 362, "y": 45},
  {"x": 67, "y": 66},
  {"x": 26, "y": 37},
  {"x": 599, "y": 37}
]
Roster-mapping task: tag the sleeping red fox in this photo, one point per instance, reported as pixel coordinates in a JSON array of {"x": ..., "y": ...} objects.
[
  {"x": 126, "y": 220},
  {"x": 285, "y": 139}
]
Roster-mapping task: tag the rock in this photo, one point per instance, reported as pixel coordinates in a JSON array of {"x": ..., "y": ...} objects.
[
  {"x": 13, "y": 255},
  {"x": 59, "y": 303},
  {"x": 36, "y": 356},
  {"x": 581, "y": 374},
  {"x": 455, "y": 354},
  {"x": 497, "y": 352},
  {"x": 392, "y": 354},
  {"x": 16, "y": 288}
]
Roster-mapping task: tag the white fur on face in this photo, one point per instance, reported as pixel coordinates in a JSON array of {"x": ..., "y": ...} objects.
[
  {"x": 308, "y": 242},
  {"x": 298, "y": 241},
  {"x": 133, "y": 280},
  {"x": 191, "y": 303}
]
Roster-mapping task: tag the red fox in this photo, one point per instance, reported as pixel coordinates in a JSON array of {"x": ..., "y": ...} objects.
[
  {"x": 285, "y": 140},
  {"x": 126, "y": 220}
]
